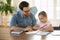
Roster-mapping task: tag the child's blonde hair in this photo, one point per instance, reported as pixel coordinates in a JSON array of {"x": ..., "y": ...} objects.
[{"x": 42, "y": 13}]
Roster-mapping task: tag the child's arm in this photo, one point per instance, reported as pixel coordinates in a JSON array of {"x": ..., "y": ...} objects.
[{"x": 49, "y": 28}]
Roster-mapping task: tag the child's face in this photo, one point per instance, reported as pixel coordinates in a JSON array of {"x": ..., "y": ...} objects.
[{"x": 42, "y": 18}]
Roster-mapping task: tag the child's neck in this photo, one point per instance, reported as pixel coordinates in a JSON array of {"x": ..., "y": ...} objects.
[{"x": 44, "y": 22}]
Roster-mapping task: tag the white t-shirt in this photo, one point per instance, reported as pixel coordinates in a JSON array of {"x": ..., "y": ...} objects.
[{"x": 44, "y": 24}]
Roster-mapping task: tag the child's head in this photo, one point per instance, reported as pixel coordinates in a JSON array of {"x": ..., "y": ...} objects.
[{"x": 42, "y": 16}]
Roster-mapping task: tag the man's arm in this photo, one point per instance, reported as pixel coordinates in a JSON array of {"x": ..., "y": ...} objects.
[
  {"x": 17, "y": 28},
  {"x": 28, "y": 28},
  {"x": 33, "y": 20},
  {"x": 13, "y": 24},
  {"x": 36, "y": 27}
]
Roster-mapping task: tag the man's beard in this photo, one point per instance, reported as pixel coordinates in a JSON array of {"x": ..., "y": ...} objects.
[{"x": 26, "y": 15}]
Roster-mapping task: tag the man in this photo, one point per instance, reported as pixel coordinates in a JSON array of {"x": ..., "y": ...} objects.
[{"x": 23, "y": 19}]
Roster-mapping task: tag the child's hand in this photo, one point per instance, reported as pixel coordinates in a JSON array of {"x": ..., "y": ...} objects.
[
  {"x": 44, "y": 29},
  {"x": 48, "y": 28}
]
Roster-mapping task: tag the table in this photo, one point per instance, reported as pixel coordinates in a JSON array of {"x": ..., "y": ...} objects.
[{"x": 6, "y": 35}]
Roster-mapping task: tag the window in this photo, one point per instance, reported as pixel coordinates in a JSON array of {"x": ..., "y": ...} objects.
[
  {"x": 52, "y": 7},
  {"x": 45, "y": 5},
  {"x": 58, "y": 9}
]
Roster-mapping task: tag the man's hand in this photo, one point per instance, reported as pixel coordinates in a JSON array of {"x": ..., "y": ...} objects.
[
  {"x": 36, "y": 27},
  {"x": 17, "y": 28},
  {"x": 28, "y": 28}
]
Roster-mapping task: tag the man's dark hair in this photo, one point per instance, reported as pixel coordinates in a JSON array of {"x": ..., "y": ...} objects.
[
  {"x": 23, "y": 4},
  {"x": 43, "y": 13}
]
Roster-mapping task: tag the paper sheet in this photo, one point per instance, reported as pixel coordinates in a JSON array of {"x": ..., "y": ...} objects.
[{"x": 38, "y": 32}]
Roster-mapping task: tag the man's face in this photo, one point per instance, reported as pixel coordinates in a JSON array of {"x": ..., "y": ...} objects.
[{"x": 26, "y": 11}]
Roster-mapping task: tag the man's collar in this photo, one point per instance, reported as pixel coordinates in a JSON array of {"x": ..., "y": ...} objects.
[{"x": 20, "y": 13}]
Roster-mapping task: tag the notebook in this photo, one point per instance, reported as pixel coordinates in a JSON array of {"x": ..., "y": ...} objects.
[{"x": 17, "y": 32}]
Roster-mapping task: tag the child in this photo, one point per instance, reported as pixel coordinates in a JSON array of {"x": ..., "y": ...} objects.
[{"x": 44, "y": 24}]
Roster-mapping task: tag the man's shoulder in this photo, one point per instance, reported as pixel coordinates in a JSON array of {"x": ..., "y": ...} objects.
[{"x": 31, "y": 15}]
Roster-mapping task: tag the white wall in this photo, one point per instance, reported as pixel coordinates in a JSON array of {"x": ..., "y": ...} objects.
[{"x": 41, "y": 5}]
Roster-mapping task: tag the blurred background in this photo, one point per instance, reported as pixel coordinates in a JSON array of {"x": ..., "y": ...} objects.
[
  {"x": 9, "y": 7},
  {"x": 52, "y": 7}
]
